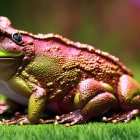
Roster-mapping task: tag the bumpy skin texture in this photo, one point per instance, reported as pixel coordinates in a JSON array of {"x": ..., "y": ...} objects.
[{"x": 65, "y": 76}]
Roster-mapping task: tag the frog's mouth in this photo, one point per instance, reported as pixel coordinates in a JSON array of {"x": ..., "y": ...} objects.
[
  {"x": 9, "y": 63},
  {"x": 4, "y": 55}
]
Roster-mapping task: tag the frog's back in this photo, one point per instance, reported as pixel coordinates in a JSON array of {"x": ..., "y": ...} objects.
[
  {"x": 70, "y": 45},
  {"x": 97, "y": 64}
]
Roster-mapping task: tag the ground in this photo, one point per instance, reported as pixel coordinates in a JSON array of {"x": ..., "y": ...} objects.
[{"x": 91, "y": 130}]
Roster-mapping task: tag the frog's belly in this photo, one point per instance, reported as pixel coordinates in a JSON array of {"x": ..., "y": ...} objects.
[
  {"x": 5, "y": 90},
  {"x": 52, "y": 107}
]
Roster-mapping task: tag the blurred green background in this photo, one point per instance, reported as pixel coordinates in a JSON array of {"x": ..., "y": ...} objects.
[{"x": 110, "y": 25}]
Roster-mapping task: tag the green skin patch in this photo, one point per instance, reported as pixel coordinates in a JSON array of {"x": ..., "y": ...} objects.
[{"x": 4, "y": 53}]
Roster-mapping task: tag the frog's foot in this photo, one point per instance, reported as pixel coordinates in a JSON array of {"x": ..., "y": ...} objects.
[
  {"x": 70, "y": 119},
  {"x": 17, "y": 119},
  {"x": 125, "y": 116},
  {"x": 3, "y": 106}
]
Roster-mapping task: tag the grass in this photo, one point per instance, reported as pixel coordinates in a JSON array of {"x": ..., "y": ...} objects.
[{"x": 88, "y": 131}]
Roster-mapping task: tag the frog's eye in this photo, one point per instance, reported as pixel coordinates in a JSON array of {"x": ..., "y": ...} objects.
[{"x": 17, "y": 37}]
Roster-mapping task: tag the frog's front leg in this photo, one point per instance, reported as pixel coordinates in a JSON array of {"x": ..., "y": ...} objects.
[
  {"x": 129, "y": 97},
  {"x": 92, "y": 99},
  {"x": 36, "y": 104},
  {"x": 37, "y": 98}
]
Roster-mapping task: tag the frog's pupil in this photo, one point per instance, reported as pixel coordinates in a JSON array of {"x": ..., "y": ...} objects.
[{"x": 17, "y": 37}]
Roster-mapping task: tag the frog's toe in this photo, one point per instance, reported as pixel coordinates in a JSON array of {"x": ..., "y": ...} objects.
[
  {"x": 69, "y": 119},
  {"x": 17, "y": 119},
  {"x": 20, "y": 121},
  {"x": 125, "y": 116},
  {"x": 23, "y": 121},
  {"x": 8, "y": 122}
]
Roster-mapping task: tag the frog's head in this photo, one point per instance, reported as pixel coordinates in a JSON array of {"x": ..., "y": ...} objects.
[
  {"x": 11, "y": 49},
  {"x": 10, "y": 41}
]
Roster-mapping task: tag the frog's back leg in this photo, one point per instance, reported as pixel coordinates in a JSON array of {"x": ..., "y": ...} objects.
[
  {"x": 129, "y": 98},
  {"x": 129, "y": 93},
  {"x": 92, "y": 99},
  {"x": 95, "y": 98}
]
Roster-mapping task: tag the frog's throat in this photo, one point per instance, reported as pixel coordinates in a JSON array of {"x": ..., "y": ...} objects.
[{"x": 5, "y": 54}]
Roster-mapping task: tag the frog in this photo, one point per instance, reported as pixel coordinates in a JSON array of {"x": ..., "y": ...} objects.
[{"x": 77, "y": 82}]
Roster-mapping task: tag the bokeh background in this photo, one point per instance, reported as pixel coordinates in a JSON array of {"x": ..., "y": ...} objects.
[{"x": 109, "y": 25}]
